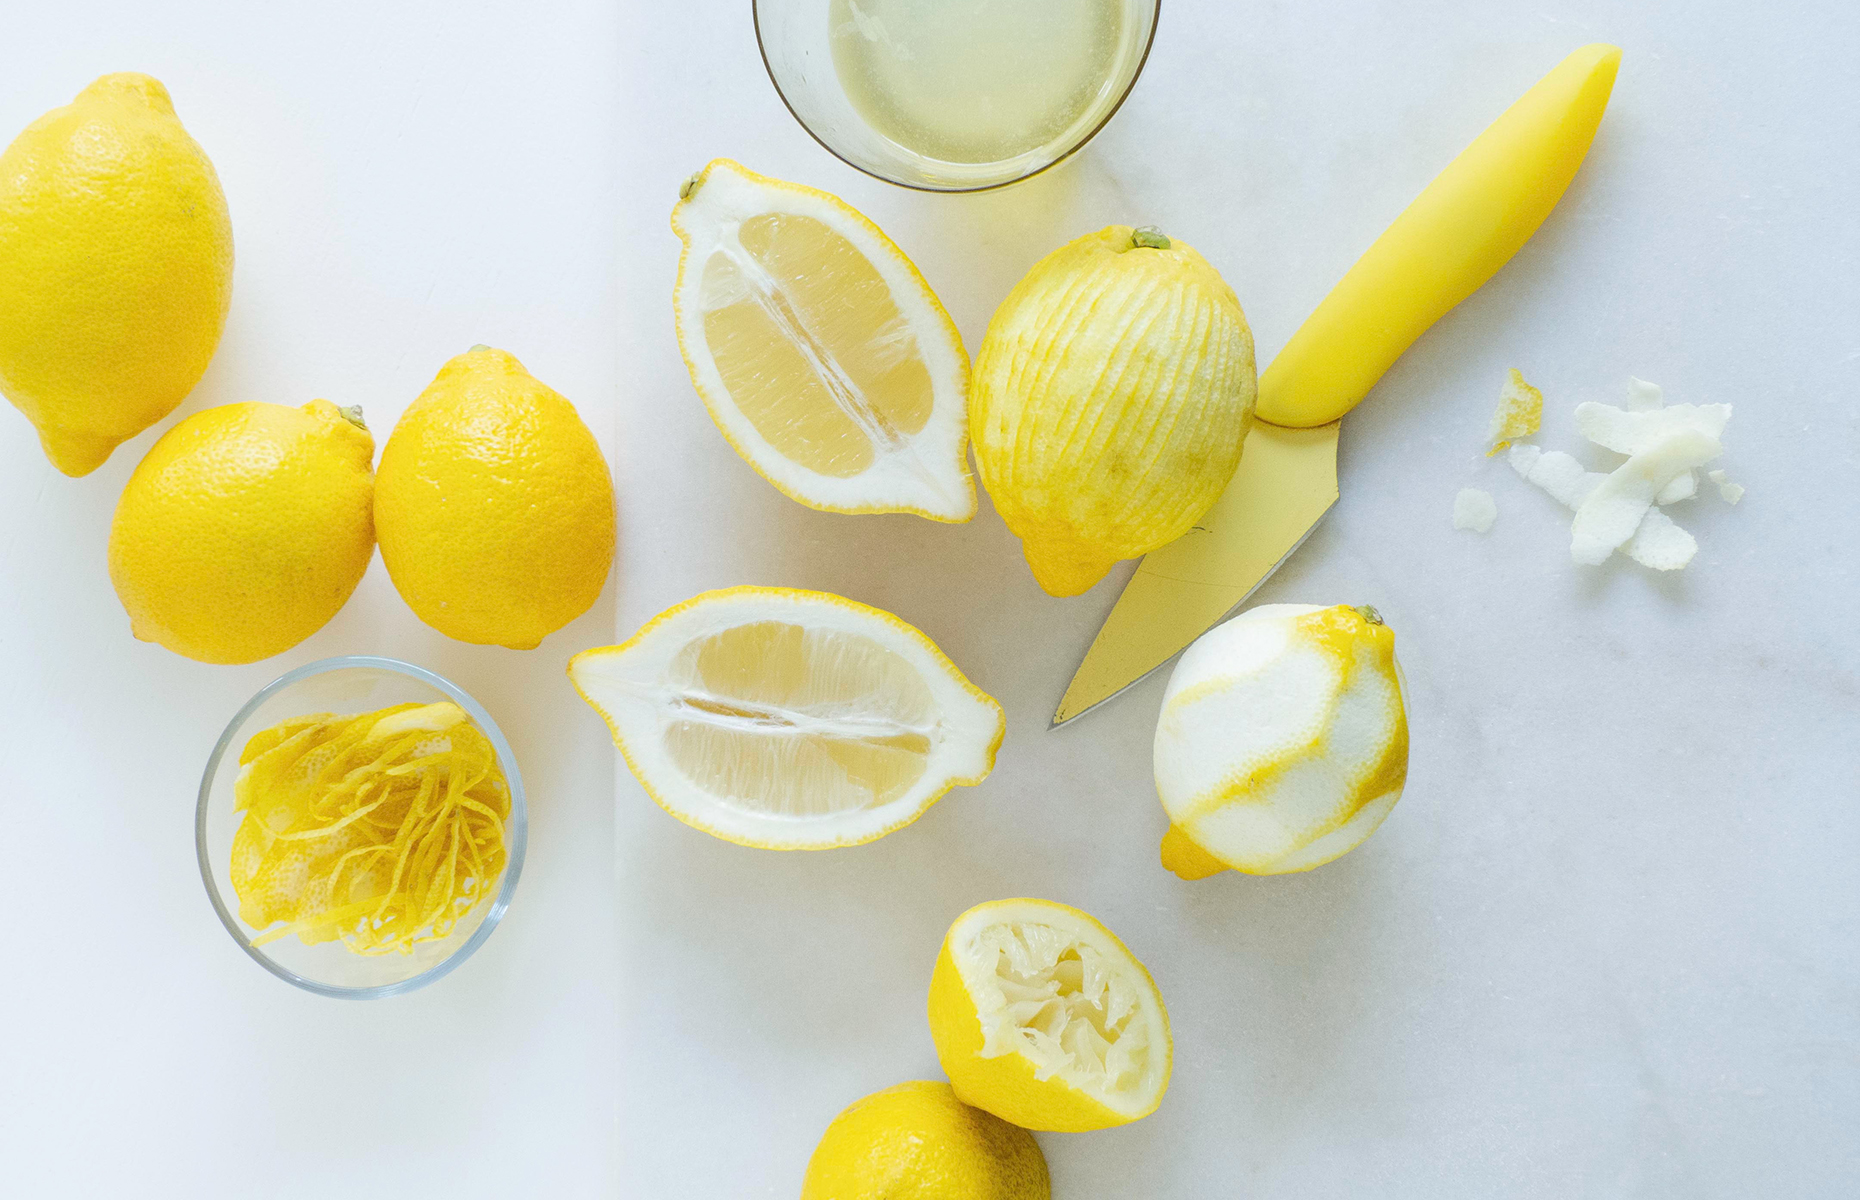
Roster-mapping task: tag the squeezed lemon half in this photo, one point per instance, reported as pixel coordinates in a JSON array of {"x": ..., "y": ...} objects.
[
  {"x": 1042, "y": 1017},
  {"x": 821, "y": 353},
  {"x": 790, "y": 720},
  {"x": 383, "y": 829}
]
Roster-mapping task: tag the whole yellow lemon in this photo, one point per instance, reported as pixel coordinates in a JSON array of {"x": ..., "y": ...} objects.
[
  {"x": 916, "y": 1141},
  {"x": 244, "y": 529},
  {"x": 116, "y": 267},
  {"x": 494, "y": 506},
  {"x": 1110, "y": 398}
]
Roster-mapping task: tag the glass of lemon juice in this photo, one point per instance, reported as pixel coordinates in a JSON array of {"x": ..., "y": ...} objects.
[{"x": 954, "y": 95}]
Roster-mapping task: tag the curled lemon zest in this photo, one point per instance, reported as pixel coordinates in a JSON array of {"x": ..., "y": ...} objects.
[{"x": 383, "y": 829}]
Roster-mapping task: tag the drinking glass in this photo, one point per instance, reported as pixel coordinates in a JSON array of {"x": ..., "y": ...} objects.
[{"x": 796, "y": 41}]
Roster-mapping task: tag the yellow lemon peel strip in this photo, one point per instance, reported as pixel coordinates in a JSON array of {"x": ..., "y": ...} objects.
[{"x": 383, "y": 829}]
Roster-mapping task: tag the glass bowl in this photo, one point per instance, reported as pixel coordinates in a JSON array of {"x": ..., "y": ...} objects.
[
  {"x": 795, "y": 37},
  {"x": 347, "y": 685}
]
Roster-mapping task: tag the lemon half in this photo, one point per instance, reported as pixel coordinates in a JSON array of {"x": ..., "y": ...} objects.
[
  {"x": 821, "y": 353},
  {"x": 790, "y": 720},
  {"x": 1042, "y": 1017}
]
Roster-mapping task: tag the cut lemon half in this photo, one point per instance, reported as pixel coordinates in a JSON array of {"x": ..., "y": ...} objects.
[
  {"x": 790, "y": 720},
  {"x": 821, "y": 353},
  {"x": 1043, "y": 1018}
]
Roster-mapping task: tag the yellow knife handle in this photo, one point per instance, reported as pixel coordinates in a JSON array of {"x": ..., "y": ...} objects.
[{"x": 1456, "y": 235}]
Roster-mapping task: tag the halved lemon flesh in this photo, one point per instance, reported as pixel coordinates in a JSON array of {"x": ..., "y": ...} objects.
[
  {"x": 1044, "y": 1018},
  {"x": 821, "y": 353},
  {"x": 790, "y": 719}
]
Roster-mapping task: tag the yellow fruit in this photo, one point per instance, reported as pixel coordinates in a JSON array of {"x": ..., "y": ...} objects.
[
  {"x": 1043, "y": 1018},
  {"x": 1283, "y": 741},
  {"x": 494, "y": 506},
  {"x": 1112, "y": 392},
  {"x": 821, "y": 353},
  {"x": 790, "y": 720},
  {"x": 115, "y": 268},
  {"x": 916, "y": 1141},
  {"x": 244, "y": 529}
]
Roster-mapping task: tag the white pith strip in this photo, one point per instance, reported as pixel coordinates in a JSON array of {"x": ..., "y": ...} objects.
[{"x": 771, "y": 719}]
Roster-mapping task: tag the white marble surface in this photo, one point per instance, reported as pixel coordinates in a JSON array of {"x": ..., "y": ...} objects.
[{"x": 1605, "y": 946}]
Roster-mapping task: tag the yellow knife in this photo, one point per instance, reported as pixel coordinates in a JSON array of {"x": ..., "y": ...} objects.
[{"x": 1456, "y": 235}]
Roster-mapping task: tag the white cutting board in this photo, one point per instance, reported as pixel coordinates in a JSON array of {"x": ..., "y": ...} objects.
[{"x": 1605, "y": 945}]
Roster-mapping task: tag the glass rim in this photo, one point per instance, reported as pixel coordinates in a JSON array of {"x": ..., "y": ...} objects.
[
  {"x": 517, "y": 827},
  {"x": 1083, "y": 141}
]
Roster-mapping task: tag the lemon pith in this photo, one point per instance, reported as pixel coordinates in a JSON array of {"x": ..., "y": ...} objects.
[
  {"x": 115, "y": 268},
  {"x": 1282, "y": 742},
  {"x": 1043, "y": 1017},
  {"x": 494, "y": 505},
  {"x": 244, "y": 529},
  {"x": 787, "y": 719},
  {"x": 1112, "y": 393},
  {"x": 821, "y": 354},
  {"x": 916, "y": 1141}
]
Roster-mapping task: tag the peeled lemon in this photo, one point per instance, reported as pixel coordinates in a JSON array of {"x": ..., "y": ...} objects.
[
  {"x": 1283, "y": 741},
  {"x": 821, "y": 353},
  {"x": 1043, "y": 1018},
  {"x": 916, "y": 1141},
  {"x": 116, "y": 265},
  {"x": 1112, "y": 393},
  {"x": 790, "y": 720},
  {"x": 494, "y": 506},
  {"x": 245, "y": 529}
]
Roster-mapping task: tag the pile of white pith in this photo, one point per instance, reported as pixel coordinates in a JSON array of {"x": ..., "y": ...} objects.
[{"x": 1621, "y": 509}]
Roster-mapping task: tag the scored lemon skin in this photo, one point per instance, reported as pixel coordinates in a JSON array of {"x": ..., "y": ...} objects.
[
  {"x": 659, "y": 714},
  {"x": 817, "y": 347},
  {"x": 1008, "y": 1085},
  {"x": 1113, "y": 391}
]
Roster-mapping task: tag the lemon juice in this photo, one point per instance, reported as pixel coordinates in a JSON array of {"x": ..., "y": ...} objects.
[{"x": 979, "y": 81}]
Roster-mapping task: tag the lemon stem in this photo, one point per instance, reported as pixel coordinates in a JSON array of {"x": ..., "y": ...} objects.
[
  {"x": 478, "y": 347},
  {"x": 353, "y": 415},
  {"x": 1148, "y": 238},
  {"x": 1368, "y": 613}
]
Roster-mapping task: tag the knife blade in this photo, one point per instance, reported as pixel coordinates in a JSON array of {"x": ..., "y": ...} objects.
[
  {"x": 1286, "y": 482},
  {"x": 1459, "y": 231}
]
